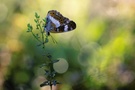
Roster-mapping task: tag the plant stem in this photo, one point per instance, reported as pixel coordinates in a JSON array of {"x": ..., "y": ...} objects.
[
  {"x": 42, "y": 32},
  {"x": 36, "y": 37}
]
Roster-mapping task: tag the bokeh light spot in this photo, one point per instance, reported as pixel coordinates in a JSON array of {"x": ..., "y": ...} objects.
[
  {"x": 61, "y": 66},
  {"x": 88, "y": 52},
  {"x": 3, "y": 12}
]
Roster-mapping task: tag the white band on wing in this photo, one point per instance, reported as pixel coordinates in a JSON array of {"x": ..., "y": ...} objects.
[
  {"x": 66, "y": 28},
  {"x": 56, "y": 22}
]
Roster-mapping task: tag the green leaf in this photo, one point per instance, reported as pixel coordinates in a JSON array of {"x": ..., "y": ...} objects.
[
  {"x": 54, "y": 82},
  {"x": 49, "y": 56},
  {"x": 30, "y": 28},
  {"x": 55, "y": 61},
  {"x": 37, "y": 26},
  {"x": 36, "y": 15},
  {"x": 44, "y": 20},
  {"x": 36, "y": 20},
  {"x": 46, "y": 83}
]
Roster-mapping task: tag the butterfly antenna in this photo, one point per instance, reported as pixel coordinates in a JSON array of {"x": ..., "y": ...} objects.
[{"x": 54, "y": 41}]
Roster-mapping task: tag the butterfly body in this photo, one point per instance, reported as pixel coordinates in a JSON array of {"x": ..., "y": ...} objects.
[{"x": 57, "y": 23}]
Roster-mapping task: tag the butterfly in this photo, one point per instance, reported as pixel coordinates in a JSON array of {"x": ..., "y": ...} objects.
[{"x": 57, "y": 23}]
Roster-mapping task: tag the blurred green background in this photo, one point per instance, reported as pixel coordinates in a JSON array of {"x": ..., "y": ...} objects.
[{"x": 98, "y": 55}]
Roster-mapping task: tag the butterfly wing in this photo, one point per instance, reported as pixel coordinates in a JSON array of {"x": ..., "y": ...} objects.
[
  {"x": 57, "y": 23},
  {"x": 64, "y": 28}
]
